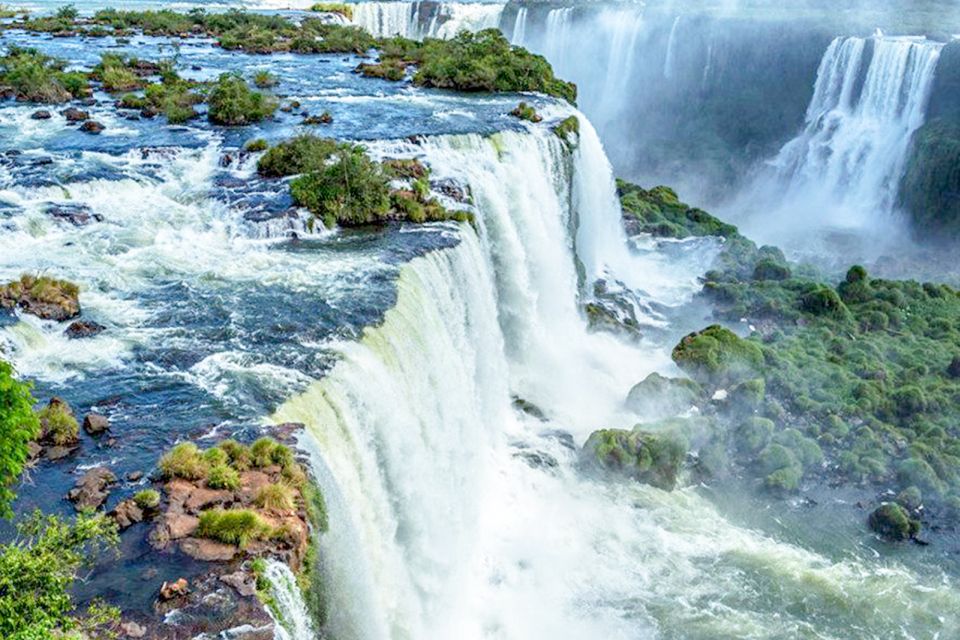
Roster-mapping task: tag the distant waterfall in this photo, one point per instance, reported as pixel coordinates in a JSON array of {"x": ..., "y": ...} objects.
[
  {"x": 520, "y": 27},
  {"x": 418, "y": 20},
  {"x": 851, "y": 152},
  {"x": 668, "y": 60}
]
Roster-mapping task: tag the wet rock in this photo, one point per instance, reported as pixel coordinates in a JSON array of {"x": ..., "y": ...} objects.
[
  {"x": 126, "y": 514},
  {"x": 132, "y": 629},
  {"x": 226, "y": 160},
  {"x": 88, "y": 102},
  {"x": 537, "y": 459},
  {"x": 134, "y": 476},
  {"x": 92, "y": 489},
  {"x": 78, "y": 215},
  {"x": 95, "y": 424},
  {"x": 212, "y": 609},
  {"x": 657, "y": 397},
  {"x": 33, "y": 450},
  {"x": 244, "y": 583},
  {"x": 323, "y": 118},
  {"x": 178, "y": 491},
  {"x": 43, "y": 297},
  {"x": 149, "y": 113},
  {"x": 41, "y": 114},
  {"x": 953, "y": 370},
  {"x": 208, "y": 550},
  {"x": 72, "y": 114},
  {"x": 59, "y": 452},
  {"x": 452, "y": 190},
  {"x": 176, "y": 589},
  {"x": 83, "y": 329},
  {"x": 893, "y": 522},
  {"x": 92, "y": 127}
]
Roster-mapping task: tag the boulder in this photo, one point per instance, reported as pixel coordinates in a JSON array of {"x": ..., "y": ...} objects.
[
  {"x": 650, "y": 458},
  {"x": 92, "y": 489},
  {"x": 171, "y": 590},
  {"x": 59, "y": 452},
  {"x": 208, "y": 550},
  {"x": 83, "y": 329},
  {"x": 893, "y": 522},
  {"x": 134, "y": 476},
  {"x": 72, "y": 114},
  {"x": 173, "y": 526},
  {"x": 126, "y": 514},
  {"x": 44, "y": 297},
  {"x": 244, "y": 583},
  {"x": 79, "y": 215},
  {"x": 41, "y": 114},
  {"x": 718, "y": 356},
  {"x": 95, "y": 424},
  {"x": 91, "y": 126}
]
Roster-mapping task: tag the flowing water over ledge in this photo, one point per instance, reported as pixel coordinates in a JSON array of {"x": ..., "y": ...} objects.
[{"x": 452, "y": 514}]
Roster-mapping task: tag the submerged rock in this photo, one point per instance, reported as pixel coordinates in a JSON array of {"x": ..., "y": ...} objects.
[
  {"x": 78, "y": 215},
  {"x": 41, "y": 114},
  {"x": 657, "y": 397},
  {"x": 95, "y": 424},
  {"x": 72, "y": 114}
]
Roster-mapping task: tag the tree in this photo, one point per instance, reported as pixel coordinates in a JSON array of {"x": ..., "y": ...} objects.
[{"x": 18, "y": 426}]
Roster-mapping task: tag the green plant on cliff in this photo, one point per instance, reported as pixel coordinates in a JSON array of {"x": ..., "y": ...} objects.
[
  {"x": 18, "y": 426},
  {"x": 37, "y": 571}
]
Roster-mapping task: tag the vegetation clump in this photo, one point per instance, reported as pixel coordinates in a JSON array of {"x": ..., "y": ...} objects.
[
  {"x": 35, "y": 77},
  {"x": 233, "y": 526},
  {"x": 58, "y": 424},
  {"x": 653, "y": 458},
  {"x": 231, "y": 102},
  {"x": 893, "y": 522},
  {"x": 184, "y": 461},
  {"x": 18, "y": 426},
  {"x": 526, "y": 112},
  {"x": 342, "y": 8},
  {"x": 147, "y": 499},
  {"x": 659, "y": 212},
  {"x": 717, "y": 355}
]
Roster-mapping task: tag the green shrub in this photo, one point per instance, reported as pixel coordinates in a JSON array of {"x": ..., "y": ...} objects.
[
  {"x": 334, "y": 7},
  {"x": 651, "y": 458},
  {"x": 255, "y": 145},
  {"x": 718, "y": 355},
  {"x": 823, "y": 301},
  {"x": 233, "y": 103},
  {"x": 264, "y": 79},
  {"x": 392, "y": 70},
  {"x": 147, "y": 499},
  {"x": 526, "y": 112},
  {"x": 184, "y": 461},
  {"x": 352, "y": 190},
  {"x": 892, "y": 521},
  {"x": 58, "y": 423},
  {"x": 220, "y": 476},
  {"x": 295, "y": 156},
  {"x": 36, "y": 77},
  {"x": 233, "y": 526},
  {"x": 262, "y": 452},
  {"x": 18, "y": 426},
  {"x": 238, "y": 454},
  {"x": 275, "y": 496}
]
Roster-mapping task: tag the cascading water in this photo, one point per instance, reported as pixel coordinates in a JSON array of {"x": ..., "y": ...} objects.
[
  {"x": 387, "y": 19},
  {"x": 290, "y": 614},
  {"x": 519, "y": 34},
  {"x": 844, "y": 169},
  {"x": 425, "y": 20}
]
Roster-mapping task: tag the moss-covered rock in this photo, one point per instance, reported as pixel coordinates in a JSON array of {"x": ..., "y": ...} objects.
[
  {"x": 42, "y": 296},
  {"x": 930, "y": 188},
  {"x": 892, "y": 522},
  {"x": 718, "y": 356},
  {"x": 650, "y": 458},
  {"x": 524, "y": 111},
  {"x": 660, "y": 212},
  {"x": 657, "y": 397}
]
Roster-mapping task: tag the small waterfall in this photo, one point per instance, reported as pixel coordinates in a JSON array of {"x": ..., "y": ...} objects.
[
  {"x": 387, "y": 19},
  {"x": 520, "y": 27},
  {"x": 851, "y": 154},
  {"x": 455, "y": 17},
  {"x": 671, "y": 49},
  {"x": 289, "y": 611}
]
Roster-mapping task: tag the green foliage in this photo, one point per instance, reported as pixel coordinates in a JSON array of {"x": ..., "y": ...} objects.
[
  {"x": 232, "y": 102},
  {"x": 393, "y": 70},
  {"x": 650, "y": 457},
  {"x": 256, "y": 145},
  {"x": 568, "y": 127},
  {"x": 38, "y": 569},
  {"x": 483, "y": 61},
  {"x": 233, "y": 526},
  {"x": 18, "y": 426},
  {"x": 115, "y": 73},
  {"x": 36, "y": 77},
  {"x": 58, "y": 423},
  {"x": 334, "y": 7},
  {"x": 298, "y": 155},
  {"x": 659, "y": 212},
  {"x": 275, "y": 496},
  {"x": 264, "y": 79},
  {"x": 526, "y": 112},
  {"x": 221, "y": 476},
  {"x": 238, "y": 454},
  {"x": 717, "y": 355},
  {"x": 184, "y": 461},
  {"x": 63, "y": 295},
  {"x": 931, "y": 180},
  {"x": 352, "y": 190},
  {"x": 892, "y": 521},
  {"x": 147, "y": 499}
]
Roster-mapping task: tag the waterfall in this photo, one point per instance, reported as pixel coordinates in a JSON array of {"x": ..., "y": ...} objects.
[
  {"x": 556, "y": 43},
  {"x": 520, "y": 27},
  {"x": 443, "y": 20},
  {"x": 671, "y": 49},
  {"x": 289, "y": 612},
  {"x": 850, "y": 156}
]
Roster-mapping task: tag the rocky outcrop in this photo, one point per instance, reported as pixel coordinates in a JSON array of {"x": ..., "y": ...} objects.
[
  {"x": 92, "y": 489},
  {"x": 43, "y": 297},
  {"x": 891, "y": 521}
]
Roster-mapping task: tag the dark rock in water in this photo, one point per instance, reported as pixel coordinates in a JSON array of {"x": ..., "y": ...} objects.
[
  {"x": 92, "y": 126},
  {"x": 226, "y": 160},
  {"x": 132, "y": 117},
  {"x": 537, "y": 459},
  {"x": 59, "y": 452},
  {"x": 95, "y": 424},
  {"x": 529, "y": 408},
  {"x": 196, "y": 67},
  {"x": 564, "y": 438},
  {"x": 127, "y": 514},
  {"x": 92, "y": 489},
  {"x": 893, "y": 522},
  {"x": 149, "y": 113},
  {"x": 72, "y": 114},
  {"x": 76, "y": 214},
  {"x": 134, "y": 476},
  {"x": 88, "y": 102},
  {"x": 953, "y": 370},
  {"x": 42, "y": 114},
  {"x": 452, "y": 190},
  {"x": 210, "y": 608},
  {"x": 84, "y": 329}
]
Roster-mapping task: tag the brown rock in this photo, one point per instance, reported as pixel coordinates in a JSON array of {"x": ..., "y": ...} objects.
[
  {"x": 95, "y": 424},
  {"x": 208, "y": 550},
  {"x": 42, "y": 114},
  {"x": 171, "y": 590},
  {"x": 83, "y": 328},
  {"x": 91, "y": 126},
  {"x": 126, "y": 514},
  {"x": 72, "y": 114},
  {"x": 200, "y": 498},
  {"x": 244, "y": 583},
  {"x": 91, "y": 490},
  {"x": 178, "y": 491},
  {"x": 133, "y": 476},
  {"x": 178, "y": 525},
  {"x": 59, "y": 452},
  {"x": 132, "y": 629},
  {"x": 33, "y": 450}
]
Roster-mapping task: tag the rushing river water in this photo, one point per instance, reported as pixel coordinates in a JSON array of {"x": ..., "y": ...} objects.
[{"x": 403, "y": 350}]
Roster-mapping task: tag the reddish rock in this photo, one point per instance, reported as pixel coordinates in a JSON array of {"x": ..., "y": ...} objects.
[
  {"x": 171, "y": 590},
  {"x": 84, "y": 328},
  {"x": 59, "y": 452},
  {"x": 208, "y": 550},
  {"x": 91, "y": 126},
  {"x": 72, "y": 114},
  {"x": 201, "y": 498},
  {"x": 178, "y": 491}
]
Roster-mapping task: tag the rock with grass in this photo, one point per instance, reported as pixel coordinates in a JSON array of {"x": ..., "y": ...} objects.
[{"x": 42, "y": 296}]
